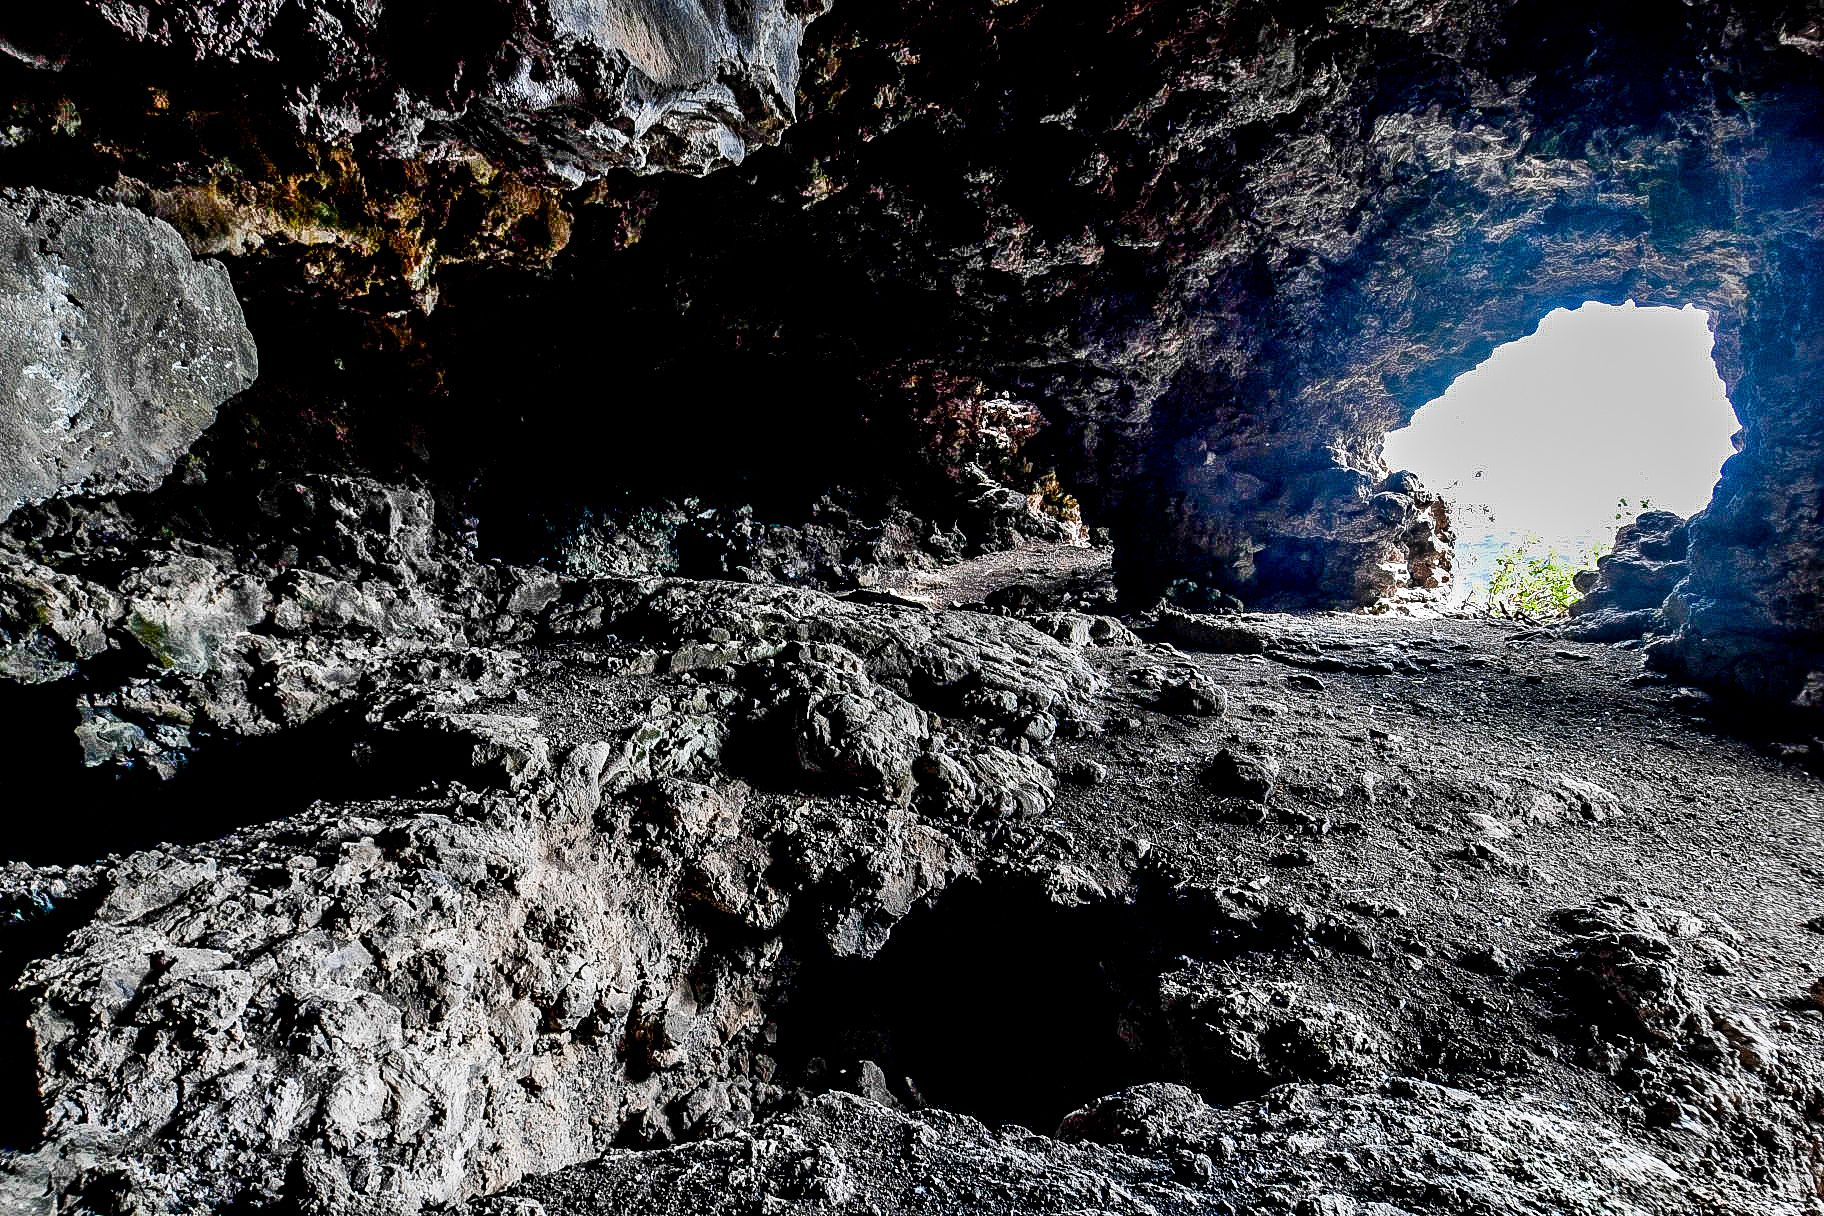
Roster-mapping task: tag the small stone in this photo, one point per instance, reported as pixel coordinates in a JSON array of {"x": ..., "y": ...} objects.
[
  {"x": 1487, "y": 960},
  {"x": 1086, "y": 772},
  {"x": 1306, "y": 681},
  {"x": 1040, "y": 728},
  {"x": 1379, "y": 909},
  {"x": 1233, "y": 775},
  {"x": 1192, "y": 693},
  {"x": 1489, "y": 827},
  {"x": 870, "y": 1081},
  {"x": 1192, "y": 1168}
]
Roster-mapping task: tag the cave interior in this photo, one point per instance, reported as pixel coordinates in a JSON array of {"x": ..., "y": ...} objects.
[{"x": 646, "y": 605}]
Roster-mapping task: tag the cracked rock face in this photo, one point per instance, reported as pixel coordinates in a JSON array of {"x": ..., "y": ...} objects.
[
  {"x": 1625, "y": 595},
  {"x": 842, "y": 1152},
  {"x": 116, "y": 348},
  {"x": 383, "y": 1006},
  {"x": 1196, "y": 260}
]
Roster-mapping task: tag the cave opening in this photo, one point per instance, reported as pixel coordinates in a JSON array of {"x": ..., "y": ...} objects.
[{"x": 1552, "y": 442}]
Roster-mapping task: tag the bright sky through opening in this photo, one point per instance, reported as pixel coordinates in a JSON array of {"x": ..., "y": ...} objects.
[{"x": 1602, "y": 403}]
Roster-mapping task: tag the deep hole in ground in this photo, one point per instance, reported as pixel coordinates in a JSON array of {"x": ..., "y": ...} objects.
[{"x": 997, "y": 1003}]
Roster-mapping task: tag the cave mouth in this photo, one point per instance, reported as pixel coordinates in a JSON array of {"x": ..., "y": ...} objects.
[{"x": 1603, "y": 412}]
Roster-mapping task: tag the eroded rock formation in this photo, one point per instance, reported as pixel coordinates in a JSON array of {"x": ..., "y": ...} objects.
[
  {"x": 1196, "y": 259},
  {"x": 1625, "y": 596},
  {"x": 572, "y": 90}
]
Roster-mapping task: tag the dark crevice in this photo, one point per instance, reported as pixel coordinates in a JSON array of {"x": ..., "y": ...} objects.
[
  {"x": 32, "y": 926},
  {"x": 999, "y": 1004},
  {"x": 224, "y": 785}
]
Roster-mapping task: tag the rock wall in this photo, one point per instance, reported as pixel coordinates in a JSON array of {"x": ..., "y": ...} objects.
[
  {"x": 1625, "y": 596},
  {"x": 569, "y": 89},
  {"x": 554, "y": 833},
  {"x": 383, "y": 1006}
]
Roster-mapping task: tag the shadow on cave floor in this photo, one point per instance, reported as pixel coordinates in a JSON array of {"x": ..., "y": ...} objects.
[{"x": 29, "y": 929}]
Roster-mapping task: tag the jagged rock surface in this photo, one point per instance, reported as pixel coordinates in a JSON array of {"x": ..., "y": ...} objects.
[
  {"x": 1155, "y": 1149},
  {"x": 1626, "y": 593},
  {"x": 116, "y": 348},
  {"x": 1433, "y": 914},
  {"x": 1197, "y": 259},
  {"x": 649, "y": 871},
  {"x": 573, "y": 90},
  {"x": 382, "y": 1006}
]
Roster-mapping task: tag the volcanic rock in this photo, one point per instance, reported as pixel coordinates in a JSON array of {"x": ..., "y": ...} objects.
[{"x": 115, "y": 348}]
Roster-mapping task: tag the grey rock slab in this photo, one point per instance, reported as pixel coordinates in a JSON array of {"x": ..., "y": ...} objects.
[{"x": 116, "y": 347}]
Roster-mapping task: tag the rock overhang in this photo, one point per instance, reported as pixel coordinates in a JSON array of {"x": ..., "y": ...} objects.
[{"x": 1220, "y": 251}]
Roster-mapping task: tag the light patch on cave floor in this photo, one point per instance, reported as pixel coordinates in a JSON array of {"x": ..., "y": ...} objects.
[{"x": 1603, "y": 403}]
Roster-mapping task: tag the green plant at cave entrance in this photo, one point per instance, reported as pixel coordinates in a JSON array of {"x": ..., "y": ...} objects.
[
  {"x": 1541, "y": 450},
  {"x": 1531, "y": 581}
]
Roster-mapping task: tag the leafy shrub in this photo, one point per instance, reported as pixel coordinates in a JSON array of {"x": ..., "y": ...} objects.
[{"x": 1531, "y": 581}]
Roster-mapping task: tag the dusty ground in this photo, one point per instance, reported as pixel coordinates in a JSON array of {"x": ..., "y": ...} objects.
[
  {"x": 1490, "y": 861},
  {"x": 786, "y": 901}
]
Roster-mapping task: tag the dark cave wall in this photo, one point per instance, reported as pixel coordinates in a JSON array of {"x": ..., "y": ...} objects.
[
  {"x": 1751, "y": 614},
  {"x": 1220, "y": 248}
]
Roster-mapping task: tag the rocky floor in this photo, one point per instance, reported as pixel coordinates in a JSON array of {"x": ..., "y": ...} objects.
[{"x": 735, "y": 898}]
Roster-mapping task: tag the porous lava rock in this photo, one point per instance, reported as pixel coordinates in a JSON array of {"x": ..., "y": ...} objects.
[
  {"x": 571, "y": 89},
  {"x": 116, "y": 348},
  {"x": 386, "y": 1005},
  {"x": 523, "y": 790},
  {"x": 1194, "y": 259},
  {"x": 1217, "y": 252},
  {"x": 1151, "y": 1149}
]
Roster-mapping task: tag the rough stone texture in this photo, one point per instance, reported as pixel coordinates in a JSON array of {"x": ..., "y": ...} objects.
[
  {"x": 573, "y": 89},
  {"x": 654, "y": 812},
  {"x": 385, "y": 1007},
  {"x": 1220, "y": 251},
  {"x": 1439, "y": 915},
  {"x": 1153, "y": 1149},
  {"x": 1198, "y": 259},
  {"x": 1624, "y": 595},
  {"x": 380, "y": 1006},
  {"x": 115, "y": 348},
  {"x": 327, "y": 589}
]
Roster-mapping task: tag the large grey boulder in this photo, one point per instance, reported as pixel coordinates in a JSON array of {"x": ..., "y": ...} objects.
[{"x": 116, "y": 347}]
